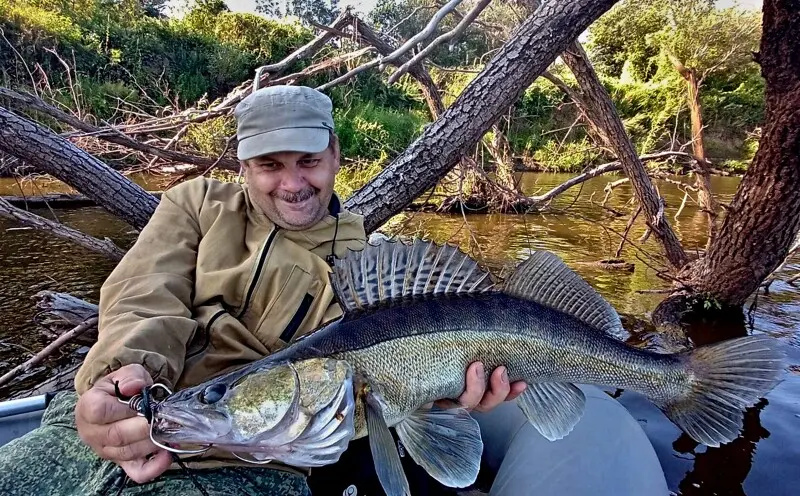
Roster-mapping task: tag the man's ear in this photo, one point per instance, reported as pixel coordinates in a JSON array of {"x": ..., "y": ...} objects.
[{"x": 337, "y": 157}]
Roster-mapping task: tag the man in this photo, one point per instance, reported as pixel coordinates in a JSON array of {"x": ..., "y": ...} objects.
[{"x": 222, "y": 275}]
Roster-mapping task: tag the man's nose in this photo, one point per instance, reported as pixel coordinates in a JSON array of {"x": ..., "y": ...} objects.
[{"x": 293, "y": 179}]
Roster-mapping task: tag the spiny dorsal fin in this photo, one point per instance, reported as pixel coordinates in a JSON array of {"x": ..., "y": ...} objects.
[
  {"x": 392, "y": 270},
  {"x": 546, "y": 279}
]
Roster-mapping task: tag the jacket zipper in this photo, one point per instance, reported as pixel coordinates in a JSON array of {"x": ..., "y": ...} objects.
[{"x": 257, "y": 274}]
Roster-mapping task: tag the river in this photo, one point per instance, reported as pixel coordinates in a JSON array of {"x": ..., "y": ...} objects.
[{"x": 763, "y": 461}]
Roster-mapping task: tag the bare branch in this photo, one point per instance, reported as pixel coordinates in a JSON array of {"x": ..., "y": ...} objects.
[
  {"x": 306, "y": 50},
  {"x": 28, "y": 101},
  {"x": 450, "y": 35},
  {"x": 349, "y": 75},
  {"x": 106, "y": 246},
  {"x": 48, "y": 350},
  {"x": 422, "y": 35}
]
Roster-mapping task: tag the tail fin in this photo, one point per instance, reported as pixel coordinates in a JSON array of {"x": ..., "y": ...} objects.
[{"x": 724, "y": 379}]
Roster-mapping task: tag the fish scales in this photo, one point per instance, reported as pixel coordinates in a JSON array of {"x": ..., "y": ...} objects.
[
  {"x": 386, "y": 361},
  {"x": 416, "y": 351}
]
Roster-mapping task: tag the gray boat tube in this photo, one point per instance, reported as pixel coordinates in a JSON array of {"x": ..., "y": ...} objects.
[
  {"x": 18, "y": 417},
  {"x": 10, "y": 408}
]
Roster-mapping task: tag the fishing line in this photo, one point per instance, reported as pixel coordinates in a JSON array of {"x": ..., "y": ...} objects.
[{"x": 143, "y": 405}]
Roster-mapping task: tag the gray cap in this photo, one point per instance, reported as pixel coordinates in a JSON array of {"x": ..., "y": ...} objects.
[{"x": 283, "y": 119}]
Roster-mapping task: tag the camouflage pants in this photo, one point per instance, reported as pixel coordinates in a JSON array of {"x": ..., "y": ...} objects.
[{"x": 52, "y": 460}]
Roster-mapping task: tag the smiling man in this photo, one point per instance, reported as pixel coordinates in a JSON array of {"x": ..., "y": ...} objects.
[{"x": 222, "y": 275}]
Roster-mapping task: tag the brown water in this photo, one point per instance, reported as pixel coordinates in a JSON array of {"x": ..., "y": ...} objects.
[{"x": 763, "y": 461}]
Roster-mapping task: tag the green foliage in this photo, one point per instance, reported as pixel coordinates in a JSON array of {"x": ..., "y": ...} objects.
[
  {"x": 127, "y": 51},
  {"x": 640, "y": 45},
  {"x": 209, "y": 137},
  {"x": 176, "y": 61},
  {"x": 569, "y": 157},
  {"x": 375, "y": 133}
]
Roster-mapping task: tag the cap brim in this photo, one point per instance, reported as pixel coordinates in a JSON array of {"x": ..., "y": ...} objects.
[{"x": 305, "y": 140}]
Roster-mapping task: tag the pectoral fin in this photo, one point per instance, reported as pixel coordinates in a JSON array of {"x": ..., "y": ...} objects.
[
  {"x": 552, "y": 407},
  {"x": 384, "y": 451},
  {"x": 446, "y": 443}
]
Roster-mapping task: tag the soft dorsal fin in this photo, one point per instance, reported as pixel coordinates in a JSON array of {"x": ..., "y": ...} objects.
[
  {"x": 391, "y": 270},
  {"x": 546, "y": 279}
]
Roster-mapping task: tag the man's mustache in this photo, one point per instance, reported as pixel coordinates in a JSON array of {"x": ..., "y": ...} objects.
[{"x": 289, "y": 197}]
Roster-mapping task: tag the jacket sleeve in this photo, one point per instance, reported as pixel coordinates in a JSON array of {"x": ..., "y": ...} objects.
[{"x": 145, "y": 304}]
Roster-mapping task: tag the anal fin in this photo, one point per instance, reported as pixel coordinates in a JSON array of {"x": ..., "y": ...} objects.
[
  {"x": 384, "y": 451},
  {"x": 552, "y": 407},
  {"x": 446, "y": 443}
]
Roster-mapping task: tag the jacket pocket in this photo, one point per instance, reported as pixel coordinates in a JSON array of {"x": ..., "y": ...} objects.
[{"x": 285, "y": 314}]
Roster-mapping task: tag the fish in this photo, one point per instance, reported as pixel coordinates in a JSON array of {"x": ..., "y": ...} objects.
[{"x": 416, "y": 314}]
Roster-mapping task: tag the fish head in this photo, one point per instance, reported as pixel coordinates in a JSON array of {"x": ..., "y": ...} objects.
[{"x": 276, "y": 411}]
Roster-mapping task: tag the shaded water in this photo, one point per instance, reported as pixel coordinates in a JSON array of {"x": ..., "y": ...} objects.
[{"x": 763, "y": 461}]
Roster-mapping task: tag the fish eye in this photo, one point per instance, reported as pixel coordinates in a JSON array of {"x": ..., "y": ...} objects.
[{"x": 213, "y": 393}]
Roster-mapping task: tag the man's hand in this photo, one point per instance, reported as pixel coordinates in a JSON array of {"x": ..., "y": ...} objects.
[
  {"x": 477, "y": 398},
  {"x": 114, "y": 431}
]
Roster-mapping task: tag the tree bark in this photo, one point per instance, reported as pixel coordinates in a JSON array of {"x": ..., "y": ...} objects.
[
  {"x": 58, "y": 157},
  {"x": 705, "y": 198},
  {"x": 600, "y": 110},
  {"x": 30, "y": 102},
  {"x": 764, "y": 216},
  {"x": 522, "y": 59},
  {"x": 103, "y": 246}
]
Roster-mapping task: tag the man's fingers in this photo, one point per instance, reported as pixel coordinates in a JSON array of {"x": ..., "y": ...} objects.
[
  {"x": 475, "y": 386},
  {"x": 130, "y": 379},
  {"x": 96, "y": 407},
  {"x": 499, "y": 388},
  {"x": 127, "y": 431},
  {"x": 129, "y": 452},
  {"x": 144, "y": 470},
  {"x": 517, "y": 388}
]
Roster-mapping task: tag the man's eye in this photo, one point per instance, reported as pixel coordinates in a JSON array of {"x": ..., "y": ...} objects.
[
  {"x": 309, "y": 162},
  {"x": 269, "y": 165}
]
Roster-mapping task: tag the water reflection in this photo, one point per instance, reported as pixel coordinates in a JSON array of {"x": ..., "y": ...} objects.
[{"x": 723, "y": 470}]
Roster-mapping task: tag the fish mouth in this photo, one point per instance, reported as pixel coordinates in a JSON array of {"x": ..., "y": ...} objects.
[{"x": 181, "y": 425}]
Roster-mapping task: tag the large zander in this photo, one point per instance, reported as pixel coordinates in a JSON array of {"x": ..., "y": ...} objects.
[{"x": 416, "y": 315}]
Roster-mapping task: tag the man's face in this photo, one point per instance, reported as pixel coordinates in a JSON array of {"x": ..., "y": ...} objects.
[{"x": 293, "y": 189}]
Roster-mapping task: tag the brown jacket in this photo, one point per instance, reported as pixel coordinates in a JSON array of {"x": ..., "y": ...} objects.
[{"x": 212, "y": 279}]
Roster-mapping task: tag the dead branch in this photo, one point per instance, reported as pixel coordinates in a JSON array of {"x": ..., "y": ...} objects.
[
  {"x": 603, "y": 114},
  {"x": 349, "y": 75},
  {"x": 422, "y": 35},
  {"x": 430, "y": 92},
  {"x": 627, "y": 230},
  {"x": 59, "y": 158},
  {"x": 104, "y": 246},
  {"x": 322, "y": 66},
  {"x": 683, "y": 204},
  {"x": 30, "y": 102},
  {"x": 48, "y": 350},
  {"x": 450, "y": 35},
  {"x": 59, "y": 312}
]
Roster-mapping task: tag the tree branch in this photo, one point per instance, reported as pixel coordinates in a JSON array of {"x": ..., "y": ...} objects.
[
  {"x": 56, "y": 156},
  {"x": 422, "y": 35},
  {"x": 450, "y": 35},
  {"x": 30, "y": 102},
  {"x": 104, "y": 246}
]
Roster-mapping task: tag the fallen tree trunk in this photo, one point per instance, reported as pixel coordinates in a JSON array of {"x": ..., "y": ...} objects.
[
  {"x": 602, "y": 112},
  {"x": 522, "y": 59},
  {"x": 103, "y": 246},
  {"x": 764, "y": 217},
  {"x": 56, "y": 156},
  {"x": 30, "y": 102},
  {"x": 57, "y": 200}
]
